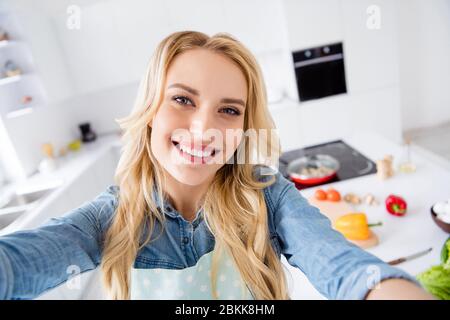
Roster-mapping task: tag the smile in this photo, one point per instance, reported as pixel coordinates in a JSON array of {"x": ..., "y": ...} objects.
[{"x": 195, "y": 155}]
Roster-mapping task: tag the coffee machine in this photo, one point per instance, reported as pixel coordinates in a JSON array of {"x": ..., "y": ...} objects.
[{"x": 87, "y": 134}]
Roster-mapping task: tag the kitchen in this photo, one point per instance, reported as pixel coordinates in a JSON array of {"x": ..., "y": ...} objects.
[{"x": 374, "y": 80}]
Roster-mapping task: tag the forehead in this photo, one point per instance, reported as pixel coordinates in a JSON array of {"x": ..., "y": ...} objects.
[{"x": 212, "y": 74}]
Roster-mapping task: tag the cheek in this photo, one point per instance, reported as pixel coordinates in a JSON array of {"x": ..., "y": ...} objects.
[
  {"x": 155, "y": 141},
  {"x": 162, "y": 127},
  {"x": 232, "y": 138}
]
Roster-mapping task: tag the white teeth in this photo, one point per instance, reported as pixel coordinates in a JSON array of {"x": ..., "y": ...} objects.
[{"x": 195, "y": 153}]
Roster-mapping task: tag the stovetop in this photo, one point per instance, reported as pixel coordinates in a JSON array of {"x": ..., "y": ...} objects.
[{"x": 352, "y": 163}]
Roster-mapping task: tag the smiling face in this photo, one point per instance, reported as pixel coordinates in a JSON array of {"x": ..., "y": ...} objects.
[{"x": 204, "y": 101}]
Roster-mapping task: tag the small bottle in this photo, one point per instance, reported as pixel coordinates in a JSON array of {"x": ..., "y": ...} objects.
[
  {"x": 406, "y": 165},
  {"x": 48, "y": 164}
]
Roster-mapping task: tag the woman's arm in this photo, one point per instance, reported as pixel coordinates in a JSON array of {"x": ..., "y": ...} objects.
[
  {"x": 396, "y": 289},
  {"x": 337, "y": 268},
  {"x": 34, "y": 261}
]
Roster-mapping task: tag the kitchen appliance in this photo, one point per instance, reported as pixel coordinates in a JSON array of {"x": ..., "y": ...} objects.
[
  {"x": 87, "y": 134},
  {"x": 320, "y": 71},
  {"x": 352, "y": 163}
]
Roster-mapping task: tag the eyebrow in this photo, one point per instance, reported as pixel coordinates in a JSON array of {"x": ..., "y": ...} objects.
[{"x": 196, "y": 93}]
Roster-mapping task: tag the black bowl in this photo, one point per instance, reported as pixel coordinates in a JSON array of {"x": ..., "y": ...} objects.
[{"x": 444, "y": 226}]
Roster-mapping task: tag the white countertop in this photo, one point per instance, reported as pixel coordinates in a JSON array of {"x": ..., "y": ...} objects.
[
  {"x": 399, "y": 236},
  {"x": 68, "y": 169}
]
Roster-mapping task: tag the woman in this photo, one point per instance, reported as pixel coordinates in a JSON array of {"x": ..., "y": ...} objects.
[{"x": 188, "y": 216}]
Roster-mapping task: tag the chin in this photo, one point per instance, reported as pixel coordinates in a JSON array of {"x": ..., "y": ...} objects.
[{"x": 190, "y": 177}]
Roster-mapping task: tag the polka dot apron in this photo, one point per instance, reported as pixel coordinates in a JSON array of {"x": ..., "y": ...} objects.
[{"x": 193, "y": 283}]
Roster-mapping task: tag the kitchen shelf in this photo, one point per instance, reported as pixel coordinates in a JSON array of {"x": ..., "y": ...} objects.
[
  {"x": 19, "y": 112},
  {"x": 28, "y": 83},
  {"x": 11, "y": 95},
  {"x": 8, "y": 43},
  {"x": 12, "y": 89},
  {"x": 8, "y": 80}
]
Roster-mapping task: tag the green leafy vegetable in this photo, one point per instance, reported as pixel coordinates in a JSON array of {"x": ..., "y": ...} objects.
[
  {"x": 445, "y": 255},
  {"x": 436, "y": 280}
]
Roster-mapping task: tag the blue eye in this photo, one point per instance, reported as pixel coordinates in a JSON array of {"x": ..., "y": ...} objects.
[
  {"x": 182, "y": 100},
  {"x": 232, "y": 111}
]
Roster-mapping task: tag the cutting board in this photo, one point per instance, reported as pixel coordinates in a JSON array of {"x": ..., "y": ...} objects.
[{"x": 334, "y": 210}]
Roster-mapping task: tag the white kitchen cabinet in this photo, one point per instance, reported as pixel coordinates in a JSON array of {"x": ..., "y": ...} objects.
[
  {"x": 286, "y": 118},
  {"x": 196, "y": 15},
  {"x": 104, "y": 169},
  {"x": 258, "y": 24},
  {"x": 371, "y": 55},
  {"x": 372, "y": 101},
  {"x": 312, "y": 23},
  {"x": 344, "y": 115}
]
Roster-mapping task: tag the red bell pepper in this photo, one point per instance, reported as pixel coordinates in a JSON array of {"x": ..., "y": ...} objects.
[{"x": 396, "y": 205}]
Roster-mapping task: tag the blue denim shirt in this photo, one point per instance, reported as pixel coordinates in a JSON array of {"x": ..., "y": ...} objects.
[{"x": 33, "y": 261}]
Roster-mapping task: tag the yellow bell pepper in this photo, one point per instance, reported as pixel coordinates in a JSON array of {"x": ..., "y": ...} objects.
[{"x": 353, "y": 226}]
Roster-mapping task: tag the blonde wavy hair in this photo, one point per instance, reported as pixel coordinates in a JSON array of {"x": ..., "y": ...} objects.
[{"x": 234, "y": 207}]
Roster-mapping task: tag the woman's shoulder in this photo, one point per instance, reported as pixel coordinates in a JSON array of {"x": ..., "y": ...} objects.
[
  {"x": 106, "y": 203},
  {"x": 98, "y": 211},
  {"x": 111, "y": 193}
]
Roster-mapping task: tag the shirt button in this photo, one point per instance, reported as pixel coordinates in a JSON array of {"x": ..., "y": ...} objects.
[{"x": 185, "y": 240}]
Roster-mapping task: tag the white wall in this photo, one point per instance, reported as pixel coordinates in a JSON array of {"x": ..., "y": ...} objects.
[{"x": 424, "y": 52}]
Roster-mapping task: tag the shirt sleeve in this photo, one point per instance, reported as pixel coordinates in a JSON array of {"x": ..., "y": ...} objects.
[
  {"x": 337, "y": 268},
  {"x": 33, "y": 261}
]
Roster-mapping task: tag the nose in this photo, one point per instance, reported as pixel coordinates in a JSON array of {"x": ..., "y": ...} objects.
[{"x": 199, "y": 125}]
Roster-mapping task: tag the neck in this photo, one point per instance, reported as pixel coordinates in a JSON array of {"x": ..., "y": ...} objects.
[{"x": 185, "y": 198}]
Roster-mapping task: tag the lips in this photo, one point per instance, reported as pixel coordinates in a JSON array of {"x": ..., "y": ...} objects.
[{"x": 195, "y": 154}]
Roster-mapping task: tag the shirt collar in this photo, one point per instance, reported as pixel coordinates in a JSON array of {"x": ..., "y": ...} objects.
[
  {"x": 169, "y": 209},
  {"x": 172, "y": 212}
]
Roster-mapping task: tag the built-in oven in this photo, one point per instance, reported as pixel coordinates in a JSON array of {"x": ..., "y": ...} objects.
[{"x": 320, "y": 72}]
